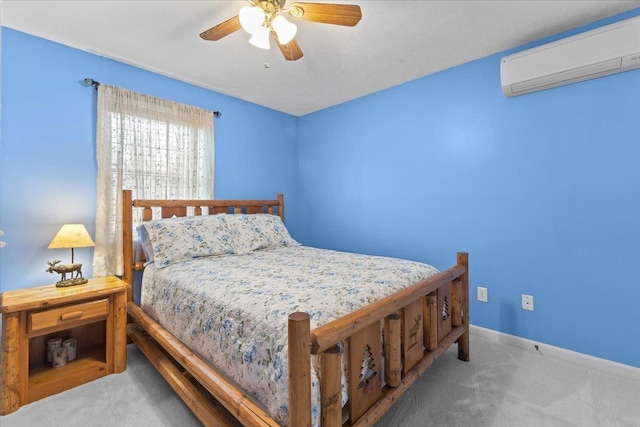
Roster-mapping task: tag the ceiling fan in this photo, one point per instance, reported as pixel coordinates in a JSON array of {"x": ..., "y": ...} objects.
[{"x": 266, "y": 17}]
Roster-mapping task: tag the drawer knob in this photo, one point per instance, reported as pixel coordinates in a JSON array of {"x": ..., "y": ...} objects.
[{"x": 72, "y": 315}]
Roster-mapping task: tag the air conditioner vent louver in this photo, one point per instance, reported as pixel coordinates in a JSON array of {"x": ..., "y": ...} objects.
[{"x": 596, "y": 53}]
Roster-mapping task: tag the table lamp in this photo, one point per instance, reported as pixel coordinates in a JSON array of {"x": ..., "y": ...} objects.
[{"x": 70, "y": 236}]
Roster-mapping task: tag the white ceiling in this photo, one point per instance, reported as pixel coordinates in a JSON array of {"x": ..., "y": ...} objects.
[{"x": 395, "y": 42}]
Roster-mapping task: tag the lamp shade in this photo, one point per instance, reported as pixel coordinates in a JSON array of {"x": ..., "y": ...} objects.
[
  {"x": 261, "y": 38},
  {"x": 71, "y": 236},
  {"x": 251, "y": 18},
  {"x": 285, "y": 30}
]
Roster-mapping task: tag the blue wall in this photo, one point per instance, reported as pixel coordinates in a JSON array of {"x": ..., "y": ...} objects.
[
  {"x": 542, "y": 190},
  {"x": 47, "y": 151}
]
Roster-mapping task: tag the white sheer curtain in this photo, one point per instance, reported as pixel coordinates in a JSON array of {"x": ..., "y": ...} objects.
[{"x": 159, "y": 149}]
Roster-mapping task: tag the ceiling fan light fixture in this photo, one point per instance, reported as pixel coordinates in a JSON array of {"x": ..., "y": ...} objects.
[
  {"x": 285, "y": 30},
  {"x": 251, "y": 18},
  {"x": 260, "y": 38},
  {"x": 263, "y": 17}
]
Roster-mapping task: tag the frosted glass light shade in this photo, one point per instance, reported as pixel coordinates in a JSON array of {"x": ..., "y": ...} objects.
[
  {"x": 251, "y": 18},
  {"x": 285, "y": 30},
  {"x": 261, "y": 38}
]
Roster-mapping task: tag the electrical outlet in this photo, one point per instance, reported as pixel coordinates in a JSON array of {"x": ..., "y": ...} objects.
[
  {"x": 483, "y": 294},
  {"x": 527, "y": 302}
]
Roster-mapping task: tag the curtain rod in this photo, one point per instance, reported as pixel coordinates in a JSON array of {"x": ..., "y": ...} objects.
[{"x": 90, "y": 82}]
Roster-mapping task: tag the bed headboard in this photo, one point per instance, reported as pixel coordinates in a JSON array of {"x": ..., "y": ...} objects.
[{"x": 169, "y": 208}]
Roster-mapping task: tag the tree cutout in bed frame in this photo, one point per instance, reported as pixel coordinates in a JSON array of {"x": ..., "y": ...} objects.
[
  {"x": 445, "y": 308},
  {"x": 368, "y": 367}
]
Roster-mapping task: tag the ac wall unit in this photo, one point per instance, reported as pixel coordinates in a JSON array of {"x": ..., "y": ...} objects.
[{"x": 607, "y": 50}]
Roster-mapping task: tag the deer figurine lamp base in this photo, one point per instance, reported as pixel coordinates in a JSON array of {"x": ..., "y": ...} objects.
[{"x": 63, "y": 269}]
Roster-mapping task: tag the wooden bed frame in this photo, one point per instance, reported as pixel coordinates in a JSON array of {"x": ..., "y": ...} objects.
[{"x": 419, "y": 323}]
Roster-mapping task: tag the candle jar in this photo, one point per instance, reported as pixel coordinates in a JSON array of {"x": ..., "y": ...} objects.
[
  {"x": 52, "y": 344},
  {"x": 70, "y": 345},
  {"x": 59, "y": 357}
]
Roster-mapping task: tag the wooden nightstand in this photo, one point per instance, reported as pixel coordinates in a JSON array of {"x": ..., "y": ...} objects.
[{"x": 95, "y": 314}]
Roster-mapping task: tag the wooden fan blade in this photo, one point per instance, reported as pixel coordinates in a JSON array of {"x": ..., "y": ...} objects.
[
  {"x": 221, "y": 30},
  {"x": 291, "y": 51},
  {"x": 326, "y": 13}
]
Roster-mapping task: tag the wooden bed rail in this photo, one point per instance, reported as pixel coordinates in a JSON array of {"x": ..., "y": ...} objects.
[
  {"x": 253, "y": 206},
  {"x": 237, "y": 403},
  {"x": 420, "y": 323},
  {"x": 329, "y": 334}
]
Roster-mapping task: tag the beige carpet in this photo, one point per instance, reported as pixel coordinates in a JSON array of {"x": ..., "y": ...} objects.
[{"x": 502, "y": 386}]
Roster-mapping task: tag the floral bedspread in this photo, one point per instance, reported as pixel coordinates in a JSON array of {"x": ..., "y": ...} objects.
[{"x": 233, "y": 310}]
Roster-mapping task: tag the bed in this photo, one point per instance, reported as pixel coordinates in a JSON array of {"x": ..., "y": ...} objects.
[{"x": 271, "y": 332}]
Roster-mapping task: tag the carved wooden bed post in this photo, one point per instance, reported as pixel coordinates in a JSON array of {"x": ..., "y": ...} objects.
[
  {"x": 127, "y": 245},
  {"x": 461, "y": 290},
  {"x": 299, "y": 370}
]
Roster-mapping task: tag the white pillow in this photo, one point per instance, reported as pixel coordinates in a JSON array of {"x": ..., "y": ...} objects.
[
  {"x": 184, "y": 239},
  {"x": 252, "y": 232}
]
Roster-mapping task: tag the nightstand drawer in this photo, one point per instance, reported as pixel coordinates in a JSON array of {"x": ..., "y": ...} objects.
[{"x": 68, "y": 314}]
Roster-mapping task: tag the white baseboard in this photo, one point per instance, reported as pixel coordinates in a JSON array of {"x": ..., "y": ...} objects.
[{"x": 603, "y": 365}]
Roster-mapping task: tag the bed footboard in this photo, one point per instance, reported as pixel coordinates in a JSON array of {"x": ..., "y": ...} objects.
[{"x": 419, "y": 323}]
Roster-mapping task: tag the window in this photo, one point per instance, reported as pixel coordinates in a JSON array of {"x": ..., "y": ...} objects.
[{"x": 159, "y": 149}]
